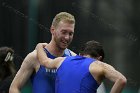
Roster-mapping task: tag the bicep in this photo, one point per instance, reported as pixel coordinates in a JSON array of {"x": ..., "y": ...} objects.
[
  {"x": 23, "y": 73},
  {"x": 110, "y": 72}
]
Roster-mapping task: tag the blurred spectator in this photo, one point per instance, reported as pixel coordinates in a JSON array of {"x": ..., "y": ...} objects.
[{"x": 7, "y": 68}]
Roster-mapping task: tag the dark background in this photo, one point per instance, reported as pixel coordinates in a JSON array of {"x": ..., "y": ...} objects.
[{"x": 114, "y": 23}]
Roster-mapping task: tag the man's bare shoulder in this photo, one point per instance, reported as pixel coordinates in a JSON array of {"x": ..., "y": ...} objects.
[
  {"x": 96, "y": 66},
  {"x": 32, "y": 55},
  {"x": 97, "y": 70},
  {"x": 31, "y": 61},
  {"x": 31, "y": 58},
  {"x": 104, "y": 65}
]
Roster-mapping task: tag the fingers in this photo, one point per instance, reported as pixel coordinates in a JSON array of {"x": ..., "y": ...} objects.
[{"x": 40, "y": 45}]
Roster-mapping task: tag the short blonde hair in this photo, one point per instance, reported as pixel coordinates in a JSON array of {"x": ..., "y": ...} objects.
[{"x": 63, "y": 16}]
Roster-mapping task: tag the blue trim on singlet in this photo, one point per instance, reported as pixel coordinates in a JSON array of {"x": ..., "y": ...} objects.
[{"x": 43, "y": 81}]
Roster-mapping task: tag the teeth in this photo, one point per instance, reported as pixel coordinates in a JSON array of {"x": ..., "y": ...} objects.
[{"x": 65, "y": 42}]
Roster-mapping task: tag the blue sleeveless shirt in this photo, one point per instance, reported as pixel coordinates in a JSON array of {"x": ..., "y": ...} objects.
[
  {"x": 43, "y": 81},
  {"x": 73, "y": 76}
]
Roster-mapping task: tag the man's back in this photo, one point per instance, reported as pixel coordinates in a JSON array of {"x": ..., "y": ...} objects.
[{"x": 73, "y": 76}]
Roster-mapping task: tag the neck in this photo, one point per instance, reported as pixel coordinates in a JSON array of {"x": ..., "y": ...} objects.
[
  {"x": 54, "y": 49},
  {"x": 87, "y": 56}
]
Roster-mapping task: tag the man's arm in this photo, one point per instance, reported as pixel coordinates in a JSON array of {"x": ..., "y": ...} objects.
[
  {"x": 115, "y": 76},
  {"x": 44, "y": 60},
  {"x": 23, "y": 74}
]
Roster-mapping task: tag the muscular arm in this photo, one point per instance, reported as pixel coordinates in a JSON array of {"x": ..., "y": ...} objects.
[
  {"x": 23, "y": 74},
  {"x": 44, "y": 60},
  {"x": 115, "y": 76},
  {"x": 102, "y": 70}
]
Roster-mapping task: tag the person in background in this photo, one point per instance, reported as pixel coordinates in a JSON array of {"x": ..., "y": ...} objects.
[{"x": 7, "y": 68}]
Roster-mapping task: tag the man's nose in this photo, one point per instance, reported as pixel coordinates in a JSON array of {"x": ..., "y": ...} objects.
[{"x": 67, "y": 36}]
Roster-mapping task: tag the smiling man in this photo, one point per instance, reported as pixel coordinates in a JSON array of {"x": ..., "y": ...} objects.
[{"x": 43, "y": 80}]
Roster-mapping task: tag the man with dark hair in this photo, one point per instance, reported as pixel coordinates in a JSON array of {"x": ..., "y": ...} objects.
[
  {"x": 7, "y": 68},
  {"x": 83, "y": 73},
  {"x": 93, "y": 48}
]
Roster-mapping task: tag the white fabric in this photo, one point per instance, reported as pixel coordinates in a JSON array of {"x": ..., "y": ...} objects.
[{"x": 101, "y": 89}]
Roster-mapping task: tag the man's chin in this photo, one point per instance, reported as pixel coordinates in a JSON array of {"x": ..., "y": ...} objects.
[{"x": 64, "y": 47}]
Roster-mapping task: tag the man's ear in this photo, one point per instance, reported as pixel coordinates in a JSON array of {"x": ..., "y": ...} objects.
[
  {"x": 99, "y": 58},
  {"x": 52, "y": 29}
]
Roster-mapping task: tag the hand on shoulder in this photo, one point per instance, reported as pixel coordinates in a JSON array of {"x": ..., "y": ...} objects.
[{"x": 39, "y": 45}]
